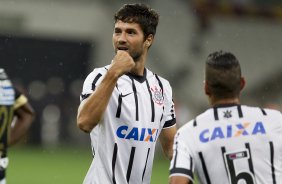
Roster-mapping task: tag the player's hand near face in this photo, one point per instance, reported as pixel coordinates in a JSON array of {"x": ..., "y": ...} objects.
[
  {"x": 122, "y": 63},
  {"x": 89, "y": 113}
]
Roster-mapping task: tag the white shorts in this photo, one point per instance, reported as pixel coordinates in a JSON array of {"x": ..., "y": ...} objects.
[{"x": 3, "y": 181}]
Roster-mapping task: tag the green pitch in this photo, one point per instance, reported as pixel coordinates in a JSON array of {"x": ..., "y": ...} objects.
[{"x": 62, "y": 166}]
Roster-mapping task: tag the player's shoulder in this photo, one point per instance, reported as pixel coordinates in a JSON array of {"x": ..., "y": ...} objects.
[
  {"x": 272, "y": 112},
  {"x": 97, "y": 72},
  {"x": 152, "y": 75},
  {"x": 187, "y": 127},
  {"x": 199, "y": 122},
  {"x": 263, "y": 111},
  {"x": 101, "y": 70}
]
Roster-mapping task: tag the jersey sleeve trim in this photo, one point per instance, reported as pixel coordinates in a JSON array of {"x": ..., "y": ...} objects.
[
  {"x": 84, "y": 96},
  {"x": 20, "y": 101},
  {"x": 169, "y": 123},
  {"x": 181, "y": 171}
]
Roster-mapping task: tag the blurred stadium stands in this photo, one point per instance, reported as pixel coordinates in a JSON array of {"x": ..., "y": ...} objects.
[{"x": 48, "y": 47}]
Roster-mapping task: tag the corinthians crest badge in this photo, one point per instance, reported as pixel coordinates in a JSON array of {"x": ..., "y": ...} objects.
[{"x": 157, "y": 95}]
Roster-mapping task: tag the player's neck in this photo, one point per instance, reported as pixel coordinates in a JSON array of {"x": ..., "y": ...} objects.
[
  {"x": 139, "y": 66},
  {"x": 217, "y": 102}
]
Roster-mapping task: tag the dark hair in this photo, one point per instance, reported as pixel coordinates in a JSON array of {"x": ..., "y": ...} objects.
[
  {"x": 141, "y": 14},
  {"x": 223, "y": 75}
]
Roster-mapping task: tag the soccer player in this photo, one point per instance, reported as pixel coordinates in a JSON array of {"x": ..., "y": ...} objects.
[
  {"x": 229, "y": 142},
  {"x": 16, "y": 116},
  {"x": 126, "y": 107}
]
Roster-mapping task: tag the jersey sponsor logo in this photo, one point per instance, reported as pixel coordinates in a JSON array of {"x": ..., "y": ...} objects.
[
  {"x": 157, "y": 95},
  {"x": 240, "y": 129},
  {"x": 137, "y": 134}
]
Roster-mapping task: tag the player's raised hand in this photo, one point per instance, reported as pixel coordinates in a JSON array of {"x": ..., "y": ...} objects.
[{"x": 122, "y": 62}]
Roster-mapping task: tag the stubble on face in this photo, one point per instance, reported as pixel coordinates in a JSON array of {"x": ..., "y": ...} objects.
[{"x": 133, "y": 44}]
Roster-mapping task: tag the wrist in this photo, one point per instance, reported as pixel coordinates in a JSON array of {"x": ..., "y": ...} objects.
[{"x": 113, "y": 74}]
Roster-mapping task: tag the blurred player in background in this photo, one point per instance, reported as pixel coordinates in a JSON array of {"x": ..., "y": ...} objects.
[
  {"x": 16, "y": 116},
  {"x": 228, "y": 143},
  {"x": 126, "y": 107}
]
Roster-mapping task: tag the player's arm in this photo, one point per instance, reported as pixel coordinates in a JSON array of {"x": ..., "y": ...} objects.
[
  {"x": 91, "y": 110},
  {"x": 24, "y": 115},
  {"x": 166, "y": 140},
  {"x": 179, "y": 180}
]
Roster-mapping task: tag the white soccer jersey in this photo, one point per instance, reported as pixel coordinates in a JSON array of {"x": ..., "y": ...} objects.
[
  {"x": 230, "y": 144},
  {"x": 123, "y": 143}
]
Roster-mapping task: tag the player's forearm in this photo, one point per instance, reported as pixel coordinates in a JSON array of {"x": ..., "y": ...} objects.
[
  {"x": 90, "y": 113},
  {"x": 166, "y": 139},
  {"x": 25, "y": 116}
]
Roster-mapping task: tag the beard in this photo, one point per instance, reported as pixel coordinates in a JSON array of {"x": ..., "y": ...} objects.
[{"x": 136, "y": 56}]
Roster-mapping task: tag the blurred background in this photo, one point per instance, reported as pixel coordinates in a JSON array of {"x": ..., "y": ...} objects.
[{"x": 48, "y": 47}]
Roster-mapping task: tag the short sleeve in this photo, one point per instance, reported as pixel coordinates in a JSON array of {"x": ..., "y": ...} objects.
[
  {"x": 182, "y": 163},
  {"x": 91, "y": 82},
  {"x": 169, "y": 109}
]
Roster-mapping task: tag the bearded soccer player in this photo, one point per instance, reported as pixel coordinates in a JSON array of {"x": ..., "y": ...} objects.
[
  {"x": 229, "y": 143},
  {"x": 126, "y": 107},
  {"x": 14, "y": 107}
]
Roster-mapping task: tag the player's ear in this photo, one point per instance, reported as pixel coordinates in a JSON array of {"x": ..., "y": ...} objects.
[
  {"x": 242, "y": 83},
  {"x": 206, "y": 88},
  {"x": 149, "y": 40}
]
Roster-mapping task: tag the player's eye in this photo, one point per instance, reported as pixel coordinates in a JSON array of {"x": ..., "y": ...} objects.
[
  {"x": 131, "y": 32},
  {"x": 117, "y": 31}
]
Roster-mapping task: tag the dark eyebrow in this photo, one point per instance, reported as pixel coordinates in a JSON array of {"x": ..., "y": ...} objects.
[{"x": 131, "y": 30}]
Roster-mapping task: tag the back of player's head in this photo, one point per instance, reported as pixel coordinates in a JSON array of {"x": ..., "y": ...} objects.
[
  {"x": 141, "y": 14},
  {"x": 223, "y": 75}
]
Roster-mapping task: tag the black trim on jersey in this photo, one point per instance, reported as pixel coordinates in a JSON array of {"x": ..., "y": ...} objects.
[
  {"x": 95, "y": 81},
  {"x": 138, "y": 78},
  {"x": 272, "y": 161},
  {"x": 172, "y": 111},
  {"x": 182, "y": 171},
  {"x": 162, "y": 115},
  {"x": 204, "y": 168},
  {"x": 152, "y": 102},
  {"x": 129, "y": 168},
  {"x": 160, "y": 84},
  {"x": 176, "y": 153},
  {"x": 174, "y": 169},
  {"x": 263, "y": 111},
  {"x": 135, "y": 97},
  {"x": 119, "y": 106},
  {"x": 191, "y": 167},
  {"x": 240, "y": 113},
  {"x": 195, "y": 122},
  {"x": 176, "y": 145},
  {"x": 215, "y": 113},
  {"x": 215, "y": 110},
  {"x": 114, "y": 162},
  {"x": 93, "y": 151},
  {"x": 250, "y": 159},
  {"x": 145, "y": 163},
  {"x": 84, "y": 96},
  {"x": 169, "y": 123},
  {"x": 223, "y": 150}
]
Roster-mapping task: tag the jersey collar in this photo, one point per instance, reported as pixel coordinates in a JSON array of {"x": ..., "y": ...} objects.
[{"x": 138, "y": 78}]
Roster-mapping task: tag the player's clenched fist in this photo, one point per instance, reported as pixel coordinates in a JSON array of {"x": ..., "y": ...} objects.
[{"x": 122, "y": 62}]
